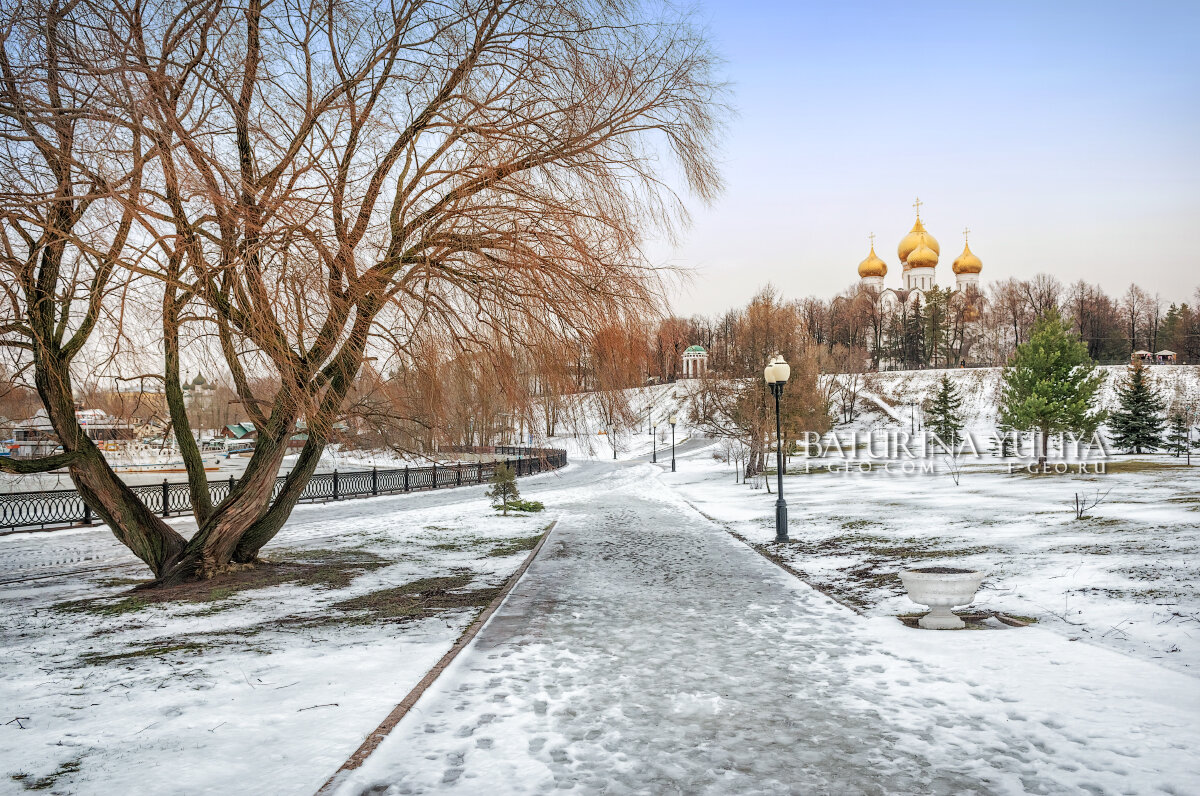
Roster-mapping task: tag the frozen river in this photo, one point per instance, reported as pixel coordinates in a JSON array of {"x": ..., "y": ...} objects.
[{"x": 233, "y": 465}]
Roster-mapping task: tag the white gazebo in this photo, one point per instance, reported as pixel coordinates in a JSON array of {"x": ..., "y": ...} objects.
[{"x": 695, "y": 362}]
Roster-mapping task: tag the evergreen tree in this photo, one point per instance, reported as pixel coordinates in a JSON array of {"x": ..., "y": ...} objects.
[
  {"x": 933, "y": 326},
  {"x": 1179, "y": 438},
  {"x": 504, "y": 490},
  {"x": 943, "y": 416},
  {"x": 914, "y": 335},
  {"x": 1137, "y": 425},
  {"x": 1050, "y": 385},
  {"x": 1003, "y": 444}
]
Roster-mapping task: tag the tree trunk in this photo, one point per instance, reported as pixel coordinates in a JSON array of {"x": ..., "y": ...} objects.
[
  {"x": 202, "y": 506},
  {"x": 211, "y": 550},
  {"x": 135, "y": 525},
  {"x": 265, "y": 528}
]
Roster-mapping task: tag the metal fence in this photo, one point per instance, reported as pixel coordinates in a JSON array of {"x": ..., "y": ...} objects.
[{"x": 61, "y": 507}]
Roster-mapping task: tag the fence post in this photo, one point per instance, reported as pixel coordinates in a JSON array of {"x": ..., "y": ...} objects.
[
  {"x": 458, "y": 475},
  {"x": 335, "y": 485},
  {"x": 166, "y": 512},
  {"x": 374, "y": 481},
  {"x": 230, "y": 486},
  {"x": 433, "y": 480},
  {"x": 406, "y": 478},
  {"x": 87, "y": 513}
]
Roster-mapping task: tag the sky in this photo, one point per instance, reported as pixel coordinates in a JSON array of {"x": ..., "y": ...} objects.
[{"x": 1065, "y": 135}]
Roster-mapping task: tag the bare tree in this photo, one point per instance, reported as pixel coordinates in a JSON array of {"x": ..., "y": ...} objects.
[
  {"x": 307, "y": 184},
  {"x": 1134, "y": 305},
  {"x": 1042, "y": 295}
]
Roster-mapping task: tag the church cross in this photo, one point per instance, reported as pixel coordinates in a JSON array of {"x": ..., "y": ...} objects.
[
  {"x": 917, "y": 204},
  {"x": 872, "y": 237},
  {"x": 966, "y": 235}
]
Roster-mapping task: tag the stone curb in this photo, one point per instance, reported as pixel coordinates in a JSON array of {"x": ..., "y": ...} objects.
[{"x": 400, "y": 711}]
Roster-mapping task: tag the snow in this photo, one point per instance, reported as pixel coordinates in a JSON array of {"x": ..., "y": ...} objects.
[
  {"x": 647, "y": 650},
  {"x": 278, "y": 697},
  {"x": 585, "y": 434},
  {"x": 886, "y": 396},
  {"x": 1127, "y": 577}
]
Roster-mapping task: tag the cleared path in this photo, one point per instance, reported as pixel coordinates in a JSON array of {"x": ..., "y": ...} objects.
[{"x": 646, "y": 651}]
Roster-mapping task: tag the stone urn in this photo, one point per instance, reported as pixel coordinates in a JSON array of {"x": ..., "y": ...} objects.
[{"x": 941, "y": 588}]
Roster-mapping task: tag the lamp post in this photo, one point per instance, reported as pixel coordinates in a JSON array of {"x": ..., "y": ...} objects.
[
  {"x": 612, "y": 439},
  {"x": 776, "y": 374},
  {"x": 672, "y": 420},
  {"x": 654, "y": 445}
]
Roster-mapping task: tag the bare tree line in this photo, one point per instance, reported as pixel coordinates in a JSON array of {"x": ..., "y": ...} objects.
[{"x": 857, "y": 331}]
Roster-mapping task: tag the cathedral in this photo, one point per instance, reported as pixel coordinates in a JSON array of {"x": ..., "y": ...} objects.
[
  {"x": 887, "y": 314},
  {"x": 918, "y": 253}
]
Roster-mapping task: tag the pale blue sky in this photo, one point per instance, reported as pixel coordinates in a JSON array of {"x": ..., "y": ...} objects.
[{"x": 1066, "y": 135}]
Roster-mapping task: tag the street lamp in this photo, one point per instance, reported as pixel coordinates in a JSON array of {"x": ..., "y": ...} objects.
[
  {"x": 672, "y": 420},
  {"x": 776, "y": 374},
  {"x": 654, "y": 445},
  {"x": 612, "y": 439}
]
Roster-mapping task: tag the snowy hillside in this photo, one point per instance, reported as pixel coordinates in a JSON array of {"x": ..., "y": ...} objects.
[
  {"x": 887, "y": 399},
  {"x": 583, "y": 428}
]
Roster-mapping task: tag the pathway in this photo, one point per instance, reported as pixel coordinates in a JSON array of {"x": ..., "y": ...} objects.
[{"x": 646, "y": 651}]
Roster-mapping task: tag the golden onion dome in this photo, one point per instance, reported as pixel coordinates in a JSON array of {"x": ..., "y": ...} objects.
[
  {"x": 967, "y": 262},
  {"x": 872, "y": 266},
  {"x": 923, "y": 256},
  {"x": 913, "y": 239}
]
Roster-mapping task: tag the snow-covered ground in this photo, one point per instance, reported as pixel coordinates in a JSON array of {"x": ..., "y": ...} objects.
[
  {"x": 647, "y": 650},
  {"x": 260, "y": 691},
  {"x": 894, "y": 398},
  {"x": 1126, "y": 577},
  {"x": 586, "y": 436}
]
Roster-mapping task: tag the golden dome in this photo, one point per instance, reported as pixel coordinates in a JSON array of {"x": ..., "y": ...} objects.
[
  {"x": 924, "y": 255},
  {"x": 913, "y": 239},
  {"x": 872, "y": 266},
  {"x": 967, "y": 262}
]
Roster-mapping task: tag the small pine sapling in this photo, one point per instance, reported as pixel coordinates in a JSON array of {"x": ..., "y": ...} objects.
[
  {"x": 1179, "y": 432},
  {"x": 504, "y": 492}
]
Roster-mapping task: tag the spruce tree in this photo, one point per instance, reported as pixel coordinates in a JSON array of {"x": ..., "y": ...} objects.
[
  {"x": 1050, "y": 385},
  {"x": 1137, "y": 426},
  {"x": 504, "y": 490},
  {"x": 1179, "y": 438},
  {"x": 943, "y": 416},
  {"x": 914, "y": 335}
]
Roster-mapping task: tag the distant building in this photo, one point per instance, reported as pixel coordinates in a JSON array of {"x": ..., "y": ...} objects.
[
  {"x": 36, "y": 436},
  {"x": 243, "y": 430},
  {"x": 695, "y": 362},
  {"x": 919, "y": 253}
]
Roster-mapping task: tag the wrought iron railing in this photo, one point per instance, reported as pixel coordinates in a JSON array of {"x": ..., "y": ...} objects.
[{"x": 63, "y": 507}]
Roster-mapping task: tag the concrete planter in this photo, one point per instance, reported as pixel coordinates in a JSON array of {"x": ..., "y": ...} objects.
[{"x": 941, "y": 588}]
